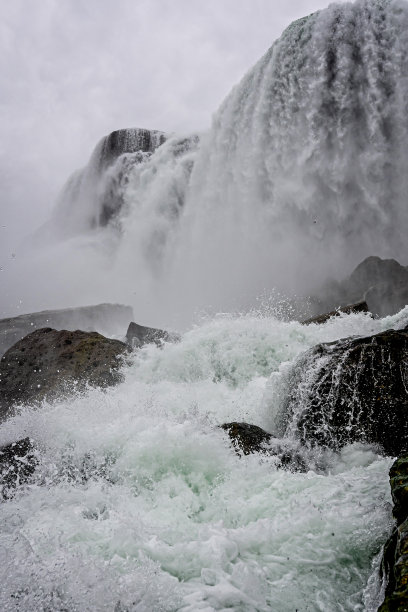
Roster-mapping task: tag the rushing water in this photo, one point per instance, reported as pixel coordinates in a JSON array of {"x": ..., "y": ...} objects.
[{"x": 140, "y": 503}]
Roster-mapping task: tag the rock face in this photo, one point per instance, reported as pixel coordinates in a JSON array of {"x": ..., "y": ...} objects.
[
  {"x": 106, "y": 318},
  {"x": 382, "y": 283},
  {"x": 47, "y": 363},
  {"x": 17, "y": 464},
  {"x": 352, "y": 390},
  {"x": 395, "y": 558},
  {"x": 138, "y": 335},
  {"x": 94, "y": 196},
  {"x": 128, "y": 140},
  {"x": 351, "y": 308}
]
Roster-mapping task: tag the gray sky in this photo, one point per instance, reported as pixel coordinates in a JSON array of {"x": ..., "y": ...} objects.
[{"x": 74, "y": 70}]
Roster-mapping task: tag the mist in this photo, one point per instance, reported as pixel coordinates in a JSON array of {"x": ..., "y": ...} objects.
[{"x": 289, "y": 182}]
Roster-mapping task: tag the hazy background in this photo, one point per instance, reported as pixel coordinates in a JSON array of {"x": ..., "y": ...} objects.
[{"x": 74, "y": 70}]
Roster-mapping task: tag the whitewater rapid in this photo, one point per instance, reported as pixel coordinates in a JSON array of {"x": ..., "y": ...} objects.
[{"x": 139, "y": 503}]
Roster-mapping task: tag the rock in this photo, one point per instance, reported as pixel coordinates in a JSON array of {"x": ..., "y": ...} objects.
[
  {"x": 138, "y": 335},
  {"x": 17, "y": 464},
  {"x": 351, "y": 308},
  {"x": 382, "y": 283},
  {"x": 109, "y": 319},
  {"x": 399, "y": 488},
  {"x": 48, "y": 363},
  {"x": 395, "y": 556},
  {"x": 127, "y": 140},
  {"x": 352, "y": 390},
  {"x": 248, "y": 439}
]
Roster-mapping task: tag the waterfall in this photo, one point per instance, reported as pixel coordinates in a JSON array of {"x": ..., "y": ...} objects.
[{"x": 303, "y": 174}]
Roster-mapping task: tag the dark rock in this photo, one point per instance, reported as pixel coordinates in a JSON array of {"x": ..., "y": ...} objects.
[
  {"x": 352, "y": 390},
  {"x": 48, "y": 363},
  {"x": 395, "y": 556},
  {"x": 17, "y": 464},
  {"x": 138, "y": 335},
  {"x": 128, "y": 140},
  {"x": 351, "y": 308},
  {"x": 107, "y": 319},
  {"x": 248, "y": 439},
  {"x": 399, "y": 488},
  {"x": 382, "y": 283}
]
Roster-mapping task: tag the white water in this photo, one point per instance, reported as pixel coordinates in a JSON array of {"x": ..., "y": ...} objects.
[{"x": 169, "y": 517}]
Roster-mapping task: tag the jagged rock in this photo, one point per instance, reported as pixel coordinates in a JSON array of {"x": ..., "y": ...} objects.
[
  {"x": 382, "y": 283},
  {"x": 128, "y": 140},
  {"x": 351, "y": 308},
  {"x": 248, "y": 439},
  {"x": 395, "y": 556},
  {"x": 352, "y": 390},
  {"x": 138, "y": 335},
  {"x": 48, "y": 363},
  {"x": 107, "y": 319},
  {"x": 17, "y": 463}
]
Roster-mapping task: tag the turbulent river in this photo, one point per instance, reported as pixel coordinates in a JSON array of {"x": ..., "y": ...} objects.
[{"x": 140, "y": 503}]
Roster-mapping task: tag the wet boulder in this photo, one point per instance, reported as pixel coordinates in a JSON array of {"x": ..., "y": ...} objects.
[
  {"x": 139, "y": 335},
  {"x": 248, "y": 439},
  {"x": 18, "y": 461},
  {"x": 48, "y": 363},
  {"x": 352, "y": 390}
]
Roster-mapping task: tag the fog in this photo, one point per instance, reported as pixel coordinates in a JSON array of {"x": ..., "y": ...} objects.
[{"x": 71, "y": 73}]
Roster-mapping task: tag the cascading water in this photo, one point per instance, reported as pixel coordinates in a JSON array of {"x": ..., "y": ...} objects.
[{"x": 303, "y": 174}]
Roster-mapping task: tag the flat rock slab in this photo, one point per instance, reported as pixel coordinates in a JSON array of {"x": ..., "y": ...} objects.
[
  {"x": 107, "y": 319},
  {"x": 48, "y": 363}
]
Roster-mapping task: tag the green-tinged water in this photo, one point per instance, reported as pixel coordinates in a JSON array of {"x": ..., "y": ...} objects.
[{"x": 140, "y": 503}]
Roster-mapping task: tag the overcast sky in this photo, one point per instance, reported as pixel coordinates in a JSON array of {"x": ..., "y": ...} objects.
[{"x": 74, "y": 70}]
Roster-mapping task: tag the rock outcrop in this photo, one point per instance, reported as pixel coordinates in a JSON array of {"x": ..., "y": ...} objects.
[
  {"x": 352, "y": 390},
  {"x": 395, "y": 557},
  {"x": 109, "y": 319},
  {"x": 138, "y": 335},
  {"x": 48, "y": 363}
]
